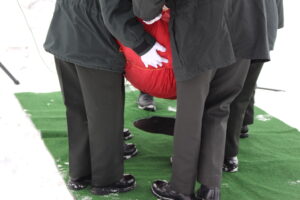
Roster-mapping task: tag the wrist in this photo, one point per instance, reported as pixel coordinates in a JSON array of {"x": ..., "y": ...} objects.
[{"x": 145, "y": 46}]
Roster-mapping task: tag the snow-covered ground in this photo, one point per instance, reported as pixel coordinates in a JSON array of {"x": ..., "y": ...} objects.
[{"x": 27, "y": 170}]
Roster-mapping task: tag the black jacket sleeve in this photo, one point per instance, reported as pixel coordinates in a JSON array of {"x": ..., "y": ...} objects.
[
  {"x": 147, "y": 9},
  {"x": 280, "y": 13},
  {"x": 120, "y": 21}
]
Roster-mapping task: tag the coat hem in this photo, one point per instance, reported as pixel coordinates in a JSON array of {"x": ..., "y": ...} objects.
[
  {"x": 104, "y": 66},
  {"x": 191, "y": 75}
]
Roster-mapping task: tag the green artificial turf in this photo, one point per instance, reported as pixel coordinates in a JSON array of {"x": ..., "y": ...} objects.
[{"x": 269, "y": 158}]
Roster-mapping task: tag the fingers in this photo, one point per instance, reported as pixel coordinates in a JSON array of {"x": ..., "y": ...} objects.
[
  {"x": 164, "y": 60},
  {"x": 153, "y": 63},
  {"x": 159, "y": 47},
  {"x": 158, "y": 61},
  {"x": 161, "y": 60},
  {"x": 153, "y": 58}
]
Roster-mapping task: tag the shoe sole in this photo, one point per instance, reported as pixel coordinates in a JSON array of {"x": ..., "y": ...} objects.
[
  {"x": 70, "y": 187},
  {"x": 131, "y": 155},
  {"x": 244, "y": 136},
  {"x": 148, "y": 108},
  {"x": 82, "y": 186},
  {"x": 232, "y": 171},
  {"x": 128, "y": 137},
  {"x": 115, "y": 191},
  {"x": 158, "y": 196}
]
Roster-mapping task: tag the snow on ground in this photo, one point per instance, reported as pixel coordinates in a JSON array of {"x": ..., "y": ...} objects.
[
  {"x": 283, "y": 72},
  {"x": 27, "y": 169}
]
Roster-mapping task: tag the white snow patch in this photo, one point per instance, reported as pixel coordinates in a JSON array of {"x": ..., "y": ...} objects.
[
  {"x": 225, "y": 185},
  {"x": 264, "y": 118},
  {"x": 129, "y": 87},
  {"x": 112, "y": 196},
  {"x": 297, "y": 182},
  {"x": 87, "y": 198},
  {"x": 172, "y": 109}
]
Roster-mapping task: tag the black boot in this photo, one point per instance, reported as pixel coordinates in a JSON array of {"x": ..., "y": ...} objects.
[
  {"x": 79, "y": 184},
  {"x": 127, "y": 134},
  {"x": 231, "y": 164},
  {"x": 130, "y": 150},
  {"x": 163, "y": 191},
  {"x": 206, "y": 193},
  {"x": 244, "y": 132},
  {"x": 126, "y": 184}
]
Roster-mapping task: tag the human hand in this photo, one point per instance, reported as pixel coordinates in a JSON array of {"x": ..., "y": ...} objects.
[
  {"x": 165, "y": 8},
  {"x": 153, "y": 58}
]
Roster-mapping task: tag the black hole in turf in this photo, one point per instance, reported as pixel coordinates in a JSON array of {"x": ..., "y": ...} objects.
[{"x": 155, "y": 124}]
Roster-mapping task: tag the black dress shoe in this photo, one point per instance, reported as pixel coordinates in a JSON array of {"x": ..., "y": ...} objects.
[
  {"x": 163, "y": 191},
  {"x": 130, "y": 150},
  {"x": 244, "y": 132},
  {"x": 206, "y": 193},
  {"x": 126, "y": 184},
  {"x": 231, "y": 164},
  {"x": 79, "y": 184},
  {"x": 127, "y": 134}
]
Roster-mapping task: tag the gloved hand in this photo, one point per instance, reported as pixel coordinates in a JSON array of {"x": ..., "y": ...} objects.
[
  {"x": 165, "y": 8},
  {"x": 153, "y": 58},
  {"x": 153, "y": 20}
]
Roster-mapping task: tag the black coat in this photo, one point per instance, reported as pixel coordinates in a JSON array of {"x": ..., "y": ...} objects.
[
  {"x": 209, "y": 34},
  {"x": 275, "y": 20},
  {"x": 200, "y": 37},
  {"x": 84, "y": 32},
  {"x": 280, "y": 13}
]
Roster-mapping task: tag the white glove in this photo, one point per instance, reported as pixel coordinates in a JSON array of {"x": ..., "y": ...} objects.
[
  {"x": 153, "y": 58},
  {"x": 153, "y": 20}
]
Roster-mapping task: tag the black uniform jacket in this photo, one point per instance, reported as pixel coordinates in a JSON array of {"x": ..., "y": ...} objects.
[
  {"x": 275, "y": 20},
  {"x": 280, "y": 13},
  {"x": 209, "y": 34},
  {"x": 83, "y": 32}
]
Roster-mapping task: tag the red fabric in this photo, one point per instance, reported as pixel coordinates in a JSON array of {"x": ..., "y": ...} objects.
[{"x": 159, "y": 82}]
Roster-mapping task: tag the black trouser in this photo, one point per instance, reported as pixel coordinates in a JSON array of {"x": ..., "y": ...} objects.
[
  {"x": 200, "y": 127},
  {"x": 94, "y": 101},
  {"x": 238, "y": 108},
  {"x": 249, "y": 113}
]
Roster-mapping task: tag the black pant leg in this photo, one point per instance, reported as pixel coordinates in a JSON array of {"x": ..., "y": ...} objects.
[
  {"x": 225, "y": 86},
  {"x": 191, "y": 97},
  {"x": 249, "y": 114},
  {"x": 200, "y": 128},
  {"x": 238, "y": 108},
  {"x": 103, "y": 93},
  {"x": 79, "y": 151}
]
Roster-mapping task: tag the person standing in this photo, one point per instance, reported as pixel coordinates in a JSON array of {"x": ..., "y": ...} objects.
[
  {"x": 90, "y": 70},
  {"x": 239, "y": 108},
  {"x": 211, "y": 59}
]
